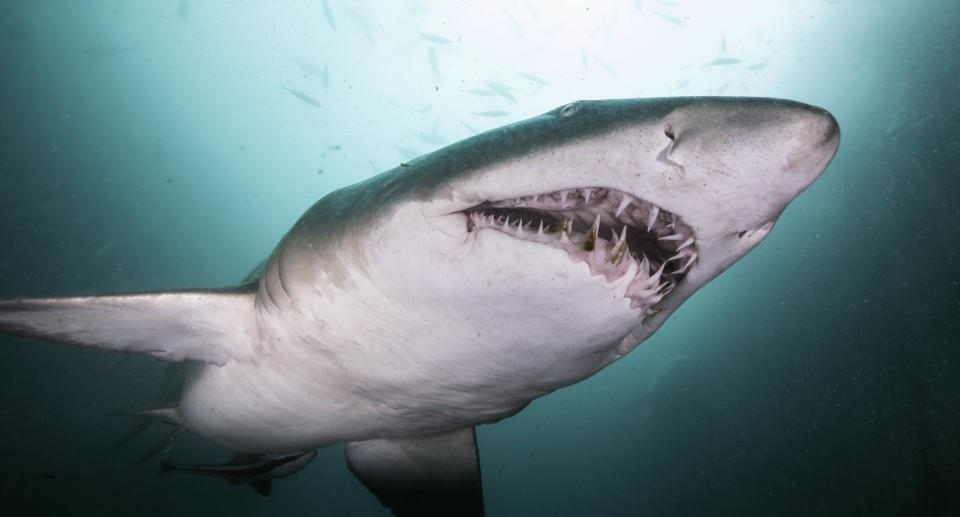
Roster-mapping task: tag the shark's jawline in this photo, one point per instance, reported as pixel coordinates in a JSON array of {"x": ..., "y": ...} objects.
[{"x": 614, "y": 232}]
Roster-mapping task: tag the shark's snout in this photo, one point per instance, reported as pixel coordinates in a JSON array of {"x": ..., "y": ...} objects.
[
  {"x": 819, "y": 134},
  {"x": 830, "y": 128},
  {"x": 823, "y": 132}
]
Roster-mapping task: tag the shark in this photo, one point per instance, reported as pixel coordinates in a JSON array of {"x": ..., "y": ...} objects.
[{"x": 401, "y": 312}]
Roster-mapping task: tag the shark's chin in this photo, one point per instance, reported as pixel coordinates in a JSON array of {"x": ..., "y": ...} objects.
[{"x": 614, "y": 232}]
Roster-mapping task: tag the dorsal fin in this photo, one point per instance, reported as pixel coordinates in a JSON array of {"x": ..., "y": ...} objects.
[{"x": 212, "y": 326}]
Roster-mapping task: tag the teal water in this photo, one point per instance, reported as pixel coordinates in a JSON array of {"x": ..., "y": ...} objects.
[{"x": 153, "y": 145}]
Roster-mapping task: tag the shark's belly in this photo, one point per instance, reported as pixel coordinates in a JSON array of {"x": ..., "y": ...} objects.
[{"x": 294, "y": 405}]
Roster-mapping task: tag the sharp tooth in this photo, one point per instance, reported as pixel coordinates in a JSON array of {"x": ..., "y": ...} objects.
[
  {"x": 685, "y": 243},
  {"x": 665, "y": 288},
  {"x": 655, "y": 279},
  {"x": 540, "y": 230},
  {"x": 653, "y": 311},
  {"x": 675, "y": 257},
  {"x": 673, "y": 237},
  {"x": 621, "y": 249},
  {"x": 586, "y": 194},
  {"x": 506, "y": 223},
  {"x": 644, "y": 265},
  {"x": 689, "y": 261},
  {"x": 564, "y": 238},
  {"x": 623, "y": 235},
  {"x": 563, "y": 199},
  {"x": 520, "y": 226},
  {"x": 591, "y": 241},
  {"x": 654, "y": 212},
  {"x": 624, "y": 203}
]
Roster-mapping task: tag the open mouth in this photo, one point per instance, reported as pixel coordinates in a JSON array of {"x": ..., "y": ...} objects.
[{"x": 612, "y": 231}]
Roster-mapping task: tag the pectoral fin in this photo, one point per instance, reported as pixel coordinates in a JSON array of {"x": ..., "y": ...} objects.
[
  {"x": 212, "y": 326},
  {"x": 433, "y": 475}
]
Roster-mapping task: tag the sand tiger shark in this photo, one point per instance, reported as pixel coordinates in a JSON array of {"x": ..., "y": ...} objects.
[{"x": 399, "y": 313}]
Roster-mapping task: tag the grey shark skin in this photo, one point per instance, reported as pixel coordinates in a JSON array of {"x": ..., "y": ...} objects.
[{"x": 402, "y": 311}]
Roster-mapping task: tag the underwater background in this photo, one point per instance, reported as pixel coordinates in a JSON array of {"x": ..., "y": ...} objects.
[{"x": 150, "y": 145}]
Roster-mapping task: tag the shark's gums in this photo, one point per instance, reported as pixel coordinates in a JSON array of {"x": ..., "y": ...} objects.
[{"x": 399, "y": 313}]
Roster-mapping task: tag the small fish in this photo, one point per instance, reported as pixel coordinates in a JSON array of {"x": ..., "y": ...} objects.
[
  {"x": 723, "y": 88},
  {"x": 723, "y": 44},
  {"x": 334, "y": 148},
  {"x": 681, "y": 84},
  {"x": 183, "y": 9},
  {"x": 469, "y": 127},
  {"x": 501, "y": 90},
  {"x": 756, "y": 66},
  {"x": 516, "y": 24},
  {"x": 304, "y": 97},
  {"x": 722, "y": 61},
  {"x": 422, "y": 109},
  {"x": 106, "y": 247},
  {"x": 670, "y": 19},
  {"x": 492, "y": 113},
  {"x": 533, "y": 78},
  {"x": 254, "y": 470},
  {"x": 481, "y": 93},
  {"x": 433, "y": 38},
  {"x": 603, "y": 27},
  {"x": 605, "y": 66},
  {"x": 533, "y": 12},
  {"x": 328, "y": 14},
  {"x": 309, "y": 68},
  {"x": 434, "y": 65}
]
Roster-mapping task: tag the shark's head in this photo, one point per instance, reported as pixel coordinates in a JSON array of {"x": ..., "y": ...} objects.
[{"x": 590, "y": 224}]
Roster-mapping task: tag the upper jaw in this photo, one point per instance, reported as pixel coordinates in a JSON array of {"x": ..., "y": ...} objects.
[{"x": 614, "y": 232}]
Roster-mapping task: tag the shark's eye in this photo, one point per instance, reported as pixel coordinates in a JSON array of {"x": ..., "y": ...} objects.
[
  {"x": 569, "y": 110},
  {"x": 669, "y": 133}
]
